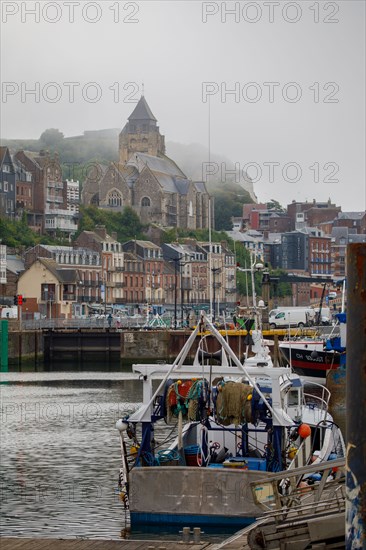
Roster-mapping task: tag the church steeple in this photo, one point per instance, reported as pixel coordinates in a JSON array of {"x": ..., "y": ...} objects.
[
  {"x": 142, "y": 111},
  {"x": 141, "y": 134}
]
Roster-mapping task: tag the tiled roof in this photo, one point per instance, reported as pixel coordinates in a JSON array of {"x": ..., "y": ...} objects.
[
  {"x": 14, "y": 264},
  {"x": 351, "y": 215},
  {"x": 63, "y": 275},
  {"x": 164, "y": 164},
  {"x": 100, "y": 239},
  {"x": 2, "y": 153},
  {"x": 142, "y": 111}
]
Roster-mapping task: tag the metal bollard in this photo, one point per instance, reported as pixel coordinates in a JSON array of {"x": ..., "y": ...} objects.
[
  {"x": 186, "y": 534},
  {"x": 197, "y": 535}
]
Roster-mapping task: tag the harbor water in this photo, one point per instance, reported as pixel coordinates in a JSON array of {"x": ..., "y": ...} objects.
[{"x": 61, "y": 456}]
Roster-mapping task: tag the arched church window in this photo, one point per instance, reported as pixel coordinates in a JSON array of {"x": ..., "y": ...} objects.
[
  {"x": 145, "y": 201},
  {"x": 190, "y": 209},
  {"x": 114, "y": 198},
  {"x": 133, "y": 144}
]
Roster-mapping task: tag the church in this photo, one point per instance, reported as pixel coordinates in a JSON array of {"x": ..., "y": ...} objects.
[{"x": 147, "y": 180}]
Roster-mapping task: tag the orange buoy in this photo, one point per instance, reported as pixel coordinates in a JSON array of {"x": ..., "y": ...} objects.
[{"x": 304, "y": 430}]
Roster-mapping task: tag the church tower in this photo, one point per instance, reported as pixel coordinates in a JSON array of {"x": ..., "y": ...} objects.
[{"x": 141, "y": 134}]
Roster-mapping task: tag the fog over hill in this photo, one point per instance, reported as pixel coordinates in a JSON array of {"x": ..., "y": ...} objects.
[
  {"x": 102, "y": 145},
  {"x": 193, "y": 159}
]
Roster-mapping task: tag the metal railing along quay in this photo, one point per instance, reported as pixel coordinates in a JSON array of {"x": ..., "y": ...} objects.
[{"x": 83, "y": 324}]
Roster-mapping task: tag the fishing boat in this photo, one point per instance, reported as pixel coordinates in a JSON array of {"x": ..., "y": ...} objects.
[
  {"x": 313, "y": 358},
  {"x": 232, "y": 422}
]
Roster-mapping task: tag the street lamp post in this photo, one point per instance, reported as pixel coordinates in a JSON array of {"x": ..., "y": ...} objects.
[{"x": 214, "y": 271}]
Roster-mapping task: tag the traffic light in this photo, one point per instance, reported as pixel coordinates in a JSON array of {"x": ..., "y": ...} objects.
[
  {"x": 20, "y": 300},
  {"x": 15, "y": 300}
]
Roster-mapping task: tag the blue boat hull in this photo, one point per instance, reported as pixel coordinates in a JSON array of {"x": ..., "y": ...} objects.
[{"x": 191, "y": 520}]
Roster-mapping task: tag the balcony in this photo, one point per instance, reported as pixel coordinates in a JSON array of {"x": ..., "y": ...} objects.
[
  {"x": 47, "y": 297},
  {"x": 87, "y": 299},
  {"x": 92, "y": 284},
  {"x": 55, "y": 184},
  {"x": 110, "y": 284},
  {"x": 67, "y": 297},
  {"x": 119, "y": 268},
  {"x": 54, "y": 198},
  {"x": 120, "y": 284}
]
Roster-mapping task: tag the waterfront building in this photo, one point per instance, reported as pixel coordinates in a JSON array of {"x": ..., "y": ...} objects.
[
  {"x": 86, "y": 261},
  {"x": 49, "y": 290},
  {"x": 112, "y": 262},
  {"x": 49, "y": 212},
  {"x": 7, "y": 184}
]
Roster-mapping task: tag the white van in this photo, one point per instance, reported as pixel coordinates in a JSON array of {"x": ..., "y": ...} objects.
[{"x": 291, "y": 317}]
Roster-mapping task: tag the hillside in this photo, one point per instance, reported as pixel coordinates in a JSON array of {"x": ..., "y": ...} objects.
[{"x": 102, "y": 146}]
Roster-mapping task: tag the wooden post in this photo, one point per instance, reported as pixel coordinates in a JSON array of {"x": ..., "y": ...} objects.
[{"x": 356, "y": 397}]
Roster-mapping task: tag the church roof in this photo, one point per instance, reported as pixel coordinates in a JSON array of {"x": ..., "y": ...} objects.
[
  {"x": 142, "y": 111},
  {"x": 164, "y": 165},
  {"x": 182, "y": 186},
  {"x": 200, "y": 186}
]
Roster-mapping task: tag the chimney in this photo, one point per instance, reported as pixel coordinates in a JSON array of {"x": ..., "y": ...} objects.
[
  {"x": 265, "y": 234},
  {"x": 101, "y": 231},
  {"x": 114, "y": 235}
]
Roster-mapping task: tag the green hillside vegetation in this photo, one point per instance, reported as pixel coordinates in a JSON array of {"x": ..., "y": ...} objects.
[
  {"x": 126, "y": 224},
  {"x": 229, "y": 200},
  {"x": 17, "y": 234}
]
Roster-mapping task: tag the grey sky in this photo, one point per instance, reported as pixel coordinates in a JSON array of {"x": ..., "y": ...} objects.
[{"x": 174, "y": 52}]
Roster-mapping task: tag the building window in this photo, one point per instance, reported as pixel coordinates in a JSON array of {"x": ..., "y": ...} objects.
[
  {"x": 145, "y": 201},
  {"x": 6, "y": 186},
  {"x": 114, "y": 198}
]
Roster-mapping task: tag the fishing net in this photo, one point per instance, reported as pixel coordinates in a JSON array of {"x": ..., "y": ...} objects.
[
  {"x": 233, "y": 403},
  {"x": 189, "y": 397}
]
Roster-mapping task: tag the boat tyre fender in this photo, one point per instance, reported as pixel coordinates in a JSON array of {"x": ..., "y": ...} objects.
[{"x": 255, "y": 539}]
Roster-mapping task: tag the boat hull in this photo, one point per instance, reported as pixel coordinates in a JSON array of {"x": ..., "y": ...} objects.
[
  {"x": 307, "y": 363},
  {"x": 184, "y": 495}
]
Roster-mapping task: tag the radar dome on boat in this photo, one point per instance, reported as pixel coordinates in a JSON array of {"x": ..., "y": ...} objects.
[{"x": 304, "y": 430}]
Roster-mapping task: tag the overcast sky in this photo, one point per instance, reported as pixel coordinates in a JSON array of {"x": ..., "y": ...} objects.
[{"x": 296, "y": 121}]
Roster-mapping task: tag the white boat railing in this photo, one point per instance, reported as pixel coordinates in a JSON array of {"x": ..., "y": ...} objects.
[
  {"x": 320, "y": 401},
  {"x": 271, "y": 495}
]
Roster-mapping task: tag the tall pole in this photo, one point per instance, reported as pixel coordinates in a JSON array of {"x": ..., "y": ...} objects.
[
  {"x": 175, "y": 292},
  {"x": 181, "y": 294},
  {"x": 356, "y": 397},
  {"x": 214, "y": 295},
  {"x": 210, "y": 256}
]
